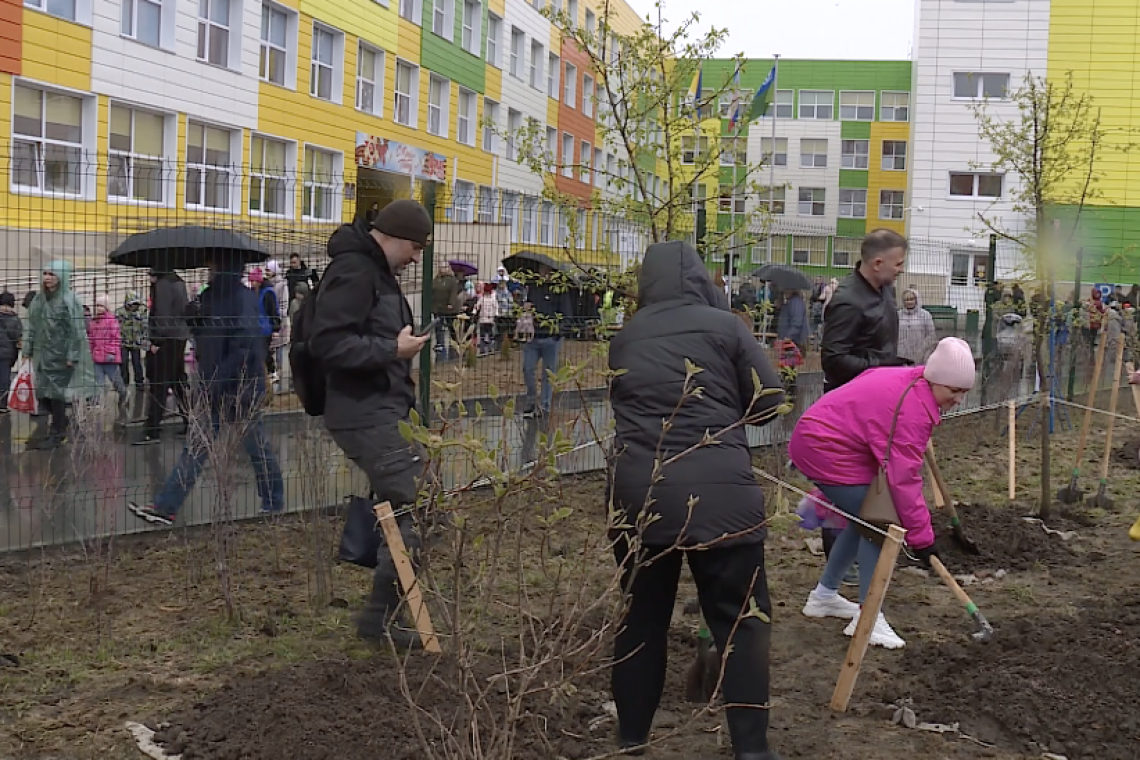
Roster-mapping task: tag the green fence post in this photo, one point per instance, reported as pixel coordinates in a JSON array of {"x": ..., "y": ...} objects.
[{"x": 428, "y": 272}]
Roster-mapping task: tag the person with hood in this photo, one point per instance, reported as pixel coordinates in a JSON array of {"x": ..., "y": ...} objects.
[
  {"x": 793, "y": 320},
  {"x": 11, "y": 337},
  {"x": 297, "y": 273},
  {"x": 106, "y": 349},
  {"x": 447, "y": 301},
  {"x": 362, "y": 337},
  {"x": 883, "y": 418},
  {"x": 230, "y": 356},
  {"x": 56, "y": 343},
  {"x": 269, "y": 317},
  {"x": 916, "y": 329},
  {"x": 707, "y": 498},
  {"x": 168, "y": 334},
  {"x": 132, "y": 316}
]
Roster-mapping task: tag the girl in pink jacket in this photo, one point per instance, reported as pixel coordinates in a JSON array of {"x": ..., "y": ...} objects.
[
  {"x": 840, "y": 443},
  {"x": 106, "y": 349}
]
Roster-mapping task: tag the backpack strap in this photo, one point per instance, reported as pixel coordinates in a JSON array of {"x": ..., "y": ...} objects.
[{"x": 895, "y": 421}]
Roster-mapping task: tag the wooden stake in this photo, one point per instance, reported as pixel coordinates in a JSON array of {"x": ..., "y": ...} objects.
[
  {"x": 1012, "y": 450},
  {"x": 872, "y": 606},
  {"x": 407, "y": 573},
  {"x": 1129, "y": 369}
]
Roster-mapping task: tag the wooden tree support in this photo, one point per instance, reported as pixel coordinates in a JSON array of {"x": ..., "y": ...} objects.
[
  {"x": 407, "y": 574},
  {"x": 872, "y": 605},
  {"x": 1012, "y": 450}
]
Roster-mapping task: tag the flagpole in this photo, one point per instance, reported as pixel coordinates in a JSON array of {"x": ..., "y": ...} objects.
[{"x": 772, "y": 156}]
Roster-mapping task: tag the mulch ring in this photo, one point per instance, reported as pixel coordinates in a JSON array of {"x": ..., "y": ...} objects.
[
  {"x": 1128, "y": 454},
  {"x": 1005, "y": 541},
  {"x": 1065, "y": 685}
]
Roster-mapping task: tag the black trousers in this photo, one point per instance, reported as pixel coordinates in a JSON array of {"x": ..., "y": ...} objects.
[
  {"x": 132, "y": 357},
  {"x": 166, "y": 371},
  {"x": 723, "y": 579}
]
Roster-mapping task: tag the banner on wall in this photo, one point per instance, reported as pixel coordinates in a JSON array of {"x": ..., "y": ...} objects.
[{"x": 374, "y": 152}]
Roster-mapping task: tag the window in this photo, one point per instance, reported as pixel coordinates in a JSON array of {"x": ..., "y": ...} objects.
[
  {"x": 553, "y": 76},
  {"x": 584, "y": 153},
  {"x": 551, "y": 145},
  {"x": 894, "y": 106},
  {"x": 403, "y": 110},
  {"x": 852, "y": 204},
  {"x": 486, "y": 208},
  {"x": 442, "y": 18},
  {"x": 963, "y": 185},
  {"x": 273, "y": 65},
  {"x": 490, "y": 122},
  {"x": 370, "y": 80},
  {"x": 732, "y": 151},
  {"x": 62, "y": 8},
  {"x": 327, "y": 45},
  {"x": 567, "y": 154},
  {"x": 894, "y": 155},
  {"x": 209, "y": 167},
  {"x": 439, "y": 93},
  {"x": 529, "y": 209},
  {"x": 465, "y": 119},
  {"x": 892, "y": 204},
  {"x": 690, "y": 148},
  {"x": 321, "y": 185},
  {"x": 591, "y": 27},
  {"x": 214, "y": 32},
  {"x": 137, "y": 141},
  {"x": 509, "y": 213},
  {"x": 856, "y": 154},
  {"x": 857, "y": 106},
  {"x": 968, "y": 268},
  {"x": 47, "y": 141},
  {"x": 546, "y": 234},
  {"x": 564, "y": 238},
  {"x": 780, "y": 157},
  {"x": 570, "y": 82},
  {"x": 412, "y": 10},
  {"x": 472, "y": 15},
  {"x": 518, "y": 53},
  {"x": 269, "y": 177},
  {"x": 462, "y": 202},
  {"x": 785, "y": 104},
  {"x": 142, "y": 21},
  {"x": 817, "y": 104},
  {"x": 494, "y": 31},
  {"x": 611, "y": 170},
  {"x": 813, "y": 154},
  {"x": 537, "y": 56},
  {"x": 514, "y": 124},
  {"x": 812, "y": 201},
  {"x": 731, "y": 199},
  {"x": 587, "y": 96},
  {"x": 695, "y": 195},
  {"x": 572, "y": 12},
  {"x": 598, "y": 165},
  {"x": 772, "y": 200},
  {"x": 844, "y": 251},
  {"x": 809, "y": 250},
  {"x": 980, "y": 85}
]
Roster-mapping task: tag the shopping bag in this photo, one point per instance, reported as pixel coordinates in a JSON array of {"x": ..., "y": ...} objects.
[
  {"x": 22, "y": 394},
  {"x": 361, "y": 537}
]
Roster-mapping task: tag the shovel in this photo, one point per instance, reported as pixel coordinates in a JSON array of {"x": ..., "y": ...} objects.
[
  {"x": 943, "y": 501},
  {"x": 1071, "y": 494},
  {"x": 984, "y": 631},
  {"x": 704, "y": 672},
  {"x": 1101, "y": 500}
]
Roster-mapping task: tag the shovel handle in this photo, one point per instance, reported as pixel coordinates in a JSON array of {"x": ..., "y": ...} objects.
[
  {"x": 1097, "y": 365},
  {"x": 1112, "y": 408},
  {"x": 941, "y": 492},
  {"x": 953, "y": 585}
]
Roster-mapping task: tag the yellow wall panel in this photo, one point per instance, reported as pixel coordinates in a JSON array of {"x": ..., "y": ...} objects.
[
  {"x": 493, "y": 84},
  {"x": 878, "y": 179},
  {"x": 375, "y": 23},
  {"x": 56, "y": 51},
  {"x": 409, "y": 40}
]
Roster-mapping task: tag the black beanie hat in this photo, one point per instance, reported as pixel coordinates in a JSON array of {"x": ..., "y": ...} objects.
[
  {"x": 404, "y": 219},
  {"x": 7, "y": 299}
]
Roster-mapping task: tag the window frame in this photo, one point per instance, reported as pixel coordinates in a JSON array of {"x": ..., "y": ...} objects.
[
  {"x": 812, "y": 250},
  {"x": 513, "y": 148},
  {"x": 585, "y": 154},
  {"x": 694, "y": 150},
  {"x": 588, "y": 96},
  {"x": 443, "y": 11},
  {"x": 893, "y": 157},
  {"x": 442, "y": 109},
  {"x": 816, "y": 106},
  {"x": 553, "y": 76},
  {"x": 546, "y": 224},
  {"x": 471, "y": 118},
  {"x": 570, "y": 85},
  {"x": 567, "y": 163},
  {"x": 775, "y": 153},
  {"x": 333, "y": 186},
  {"x": 377, "y": 82},
  {"x": 87, "y": 137},
  {"x": 851, "y": 160},
  {"x": 81, "y": 11},
  {"x": 165, "y": 173},
  {"x": 732, "y": 201},
  {"x": 129, "y": 22},
  {"x": 777, "y": 204},
  {"x": 893, "y": 108},
  {"x": 517, "y": 58},
  {"x": 815, "y": 156},
  {"x": 869, "y": 117},
  {"x": 228, "y": 170},
  {"x": 852, "y": 204},
  {"x": 411, "y": 97},
  {"x": 463, "y": 203},
  {"x": 411, "y": 10},
  {"x": 887, "y": 202},
  {"x": 979, "y": 78},
  {"x": 976, "y": 186},
  {"x": 811, "y": 201},
  {"x": 494, "y": 54},
  {"x": 535, "y": 74},
  {"x": 490, "y": 122},
  {"x": 335, "y": 66},
  {"x": 289, "y": 172},
  {"x": 471, "y": 32},
  {"x": 289, "y": 52},
  {"x": 206, "y": 24}
]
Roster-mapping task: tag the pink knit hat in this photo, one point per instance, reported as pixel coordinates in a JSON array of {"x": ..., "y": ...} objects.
[
  {"x": 256, "y": 275},
  {"x": 951, "y": 364}
]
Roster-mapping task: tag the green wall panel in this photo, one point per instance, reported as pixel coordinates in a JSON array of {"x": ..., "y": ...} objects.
[
  {"x": 853, "y": 178},
  {"x": 851, "y": 228}
]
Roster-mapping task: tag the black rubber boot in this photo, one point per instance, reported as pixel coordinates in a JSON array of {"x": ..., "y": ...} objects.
[
  {"x": 378, "y": 621},
  {"x": 632, "y": 747},
  {"x": 757, "y": 756}
]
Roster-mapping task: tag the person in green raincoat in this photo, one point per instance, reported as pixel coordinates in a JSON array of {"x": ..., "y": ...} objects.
[{"x": 56, "y": 342}]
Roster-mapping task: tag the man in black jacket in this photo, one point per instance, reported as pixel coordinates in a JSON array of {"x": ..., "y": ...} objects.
[
  {"x": 683, "y": 318},
  {"x": 862, "y": 326},
  {"x": 362, "y": 337},
  {"x": 298, "y": 272},
  {"x": 168, "y": 332},
  {"x": 553, "y": 311}
]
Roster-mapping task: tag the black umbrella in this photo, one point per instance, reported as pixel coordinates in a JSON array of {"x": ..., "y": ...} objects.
[
  {"x": 529, "y": 260},
  {"x": 188, "y": 247},
  {"x": 783, "y": 277}
]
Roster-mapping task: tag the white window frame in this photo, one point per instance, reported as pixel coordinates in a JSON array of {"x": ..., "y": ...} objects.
[
  {"x": 529, "y": 230},
  {"x": 79, "y": 11},
  {"x": 490, "y": 124},
  {"x": 812, "y": 201},
  {"x": 228, "y": 173},
  {"x": 811, "y": 246},
  {"x": 810, "y": 155},
  {"x": 494, "y": 40},
  {"x": 691, "y": 149},
  {"x": 778, "y": 157},
  {"x": 817, "y": 110},
  {"x": 287, "y": 178},
  {"x": 335, "y": 67},
  {"x": 892, "y": 205},
  {"x": 208, "y": 27},
  {"x": 411, "y": 98},
  {"x": 551, "y": 145},
  {"x": 857, "y": 110},
  {"x": 553, "y": 76},
  {"x": 546, "y": 224},
  {"x": 514, "y": 124},
  {"x": 563, "y": 238},
  {"x": 166, "y": 175},
  {"x": 439, "y": 110},
  {"x": 585, "y": 153},
  {"x": 894, "y": 162},
  {"x": 487, "y": 207},
  {"x": 412, "y": 10},
  {"x": 289, "y": 51},
  {"x": 777, "y": 204},
  {"x": 537, "y": 61},
  {"x": 591, "y": 27},
  {"x": 570, "y": 85},
  {"x": 466, "y": 117},
  {"x": 463, "y": 202},
  {"x": 443, "y": 19},
  {"x": 333, "y": 185},
  {"x": 730, "y": 148},
  {"x": 891, "y": 112},
  {"x": 572, "y": 13},
  {"x": 517, "y": 53},
  {"x": 784, "y": 103},
  {"x": 471, "y": 35},
  {"x": 509, "y": 213},
  {"x": 731, "y": 199},
  {"x": 848, "y": 248},
  {"x": 87, "y": 132},
  {"x": 598, "y": 164},
  {"x": 978, "y": 79},
  {"x": 376, "y": 81},
  {"x": 587, "y": 96},
  {"x": 855, "y": 154},
  {"x": 852, "y": 203},
  {"x": 567, "y": 161},
  {"x": 129, "y": 22},
  {"x": 975, "y": 196}
]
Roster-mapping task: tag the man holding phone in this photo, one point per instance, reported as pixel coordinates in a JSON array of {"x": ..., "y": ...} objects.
[{"x": 363, "y": 338}]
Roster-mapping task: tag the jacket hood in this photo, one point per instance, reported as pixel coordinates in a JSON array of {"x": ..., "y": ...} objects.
[
  {"x": 132, "y": 299},
  {"x": 62, "y": 270},
  {"x": 674, "y": 271},
  {"x": 917, "y": 299}
]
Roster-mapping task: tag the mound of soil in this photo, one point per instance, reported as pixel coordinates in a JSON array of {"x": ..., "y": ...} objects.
[
  {"x": 1004, "y": 540},
  {"x": 1128, "y": 454},
  {"x": 1066, "y": 685}
]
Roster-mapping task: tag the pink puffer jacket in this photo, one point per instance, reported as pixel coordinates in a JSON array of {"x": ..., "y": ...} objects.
[
  {"x": 842, "y": 438},
  {"x": 103, "y": 335}
]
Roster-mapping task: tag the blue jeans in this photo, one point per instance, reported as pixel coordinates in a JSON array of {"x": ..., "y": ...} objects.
[
  {"x": 270, "y": 485},
  {"x": 849, "y": 546},
  {"x": 545, "y": 349},
  {"x": 112, "y": 372}
]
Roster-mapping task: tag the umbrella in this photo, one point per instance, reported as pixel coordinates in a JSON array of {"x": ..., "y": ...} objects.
[
  {"x": 188, "y": 247},
  {"x": 463, "y": 268},
  {"x": 529, "y": 260},
  {"x": 783, "y": 277}
]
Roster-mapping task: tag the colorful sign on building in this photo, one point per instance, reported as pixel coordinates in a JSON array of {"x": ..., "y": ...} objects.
[{"x": 374, "y": 152}]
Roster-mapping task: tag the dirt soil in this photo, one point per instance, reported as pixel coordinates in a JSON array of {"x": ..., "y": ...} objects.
[
  {"x": 1128, "y": 454},
  {"x": 1004, "y": 541}
]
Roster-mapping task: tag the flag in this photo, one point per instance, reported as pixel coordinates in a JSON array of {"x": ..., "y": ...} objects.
[
  {"x": 734, "y": 113},
  {"x": 763, "y": 97},
  {"x": 695, "y": 89}
]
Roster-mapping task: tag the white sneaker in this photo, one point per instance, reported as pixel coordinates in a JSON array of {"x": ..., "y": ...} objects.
[
  {"x": 882, "y": 636},
  {"x": 835, "y": 606}
]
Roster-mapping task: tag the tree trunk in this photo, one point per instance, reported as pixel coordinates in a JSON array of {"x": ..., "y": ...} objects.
[{"x": 1046, "y": 421}]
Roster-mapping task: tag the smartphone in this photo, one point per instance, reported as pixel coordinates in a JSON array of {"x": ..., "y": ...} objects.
[{"x": 427, "y": 329}]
